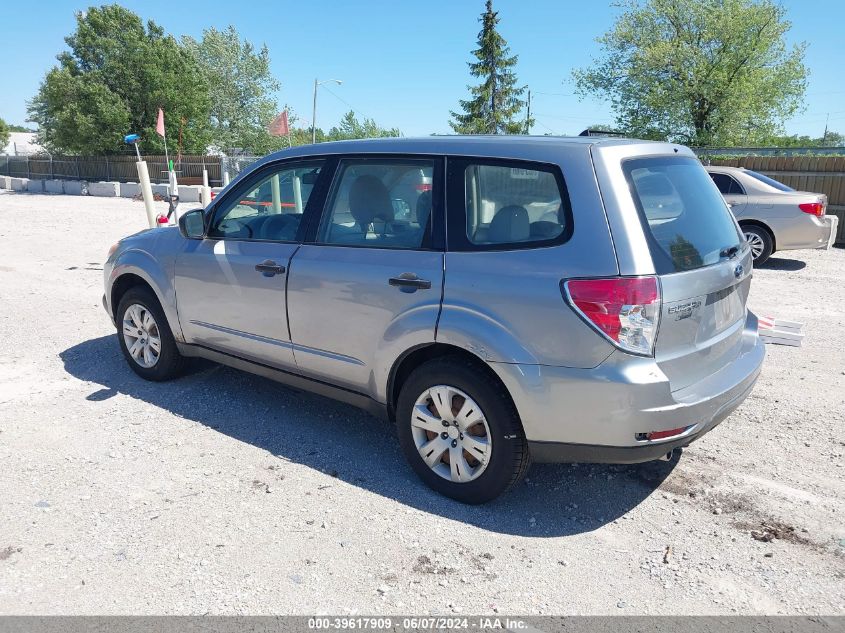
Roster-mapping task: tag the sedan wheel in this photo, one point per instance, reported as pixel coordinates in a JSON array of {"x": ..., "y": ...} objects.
[
  {"x": 451, "y": 433},
  {"x": 141, "y": 335},
  {"x": 760, "y": 241},
  {"x": 756, "y": 244}
]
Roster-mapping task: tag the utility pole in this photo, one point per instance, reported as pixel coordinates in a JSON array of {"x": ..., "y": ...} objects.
[
  {"x": 528, "y": 115},
  {"x": 826, "y": 121},
  {"x": 314, "y": 107},
  {"x": 314, "y": 115}
]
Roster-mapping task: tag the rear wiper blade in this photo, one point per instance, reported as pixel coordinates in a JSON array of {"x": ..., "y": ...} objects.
[{"x": 729, "y": 252}]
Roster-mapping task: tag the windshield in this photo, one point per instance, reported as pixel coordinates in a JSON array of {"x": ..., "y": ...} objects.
[
  {"x": 689, "y": 225},
  {"x": 769, "y": 181}
]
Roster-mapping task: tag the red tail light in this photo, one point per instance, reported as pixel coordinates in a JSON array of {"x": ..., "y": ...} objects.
[
  {"x": 813, "y": 208},
  {"x": 423, "y": 187},
  {"x": 625, "y": 309}
]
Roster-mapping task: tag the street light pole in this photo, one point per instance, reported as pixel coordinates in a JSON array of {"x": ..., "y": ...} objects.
[
  {"x": 314, "y": 115},
  {"x": 314, "y": 107}
]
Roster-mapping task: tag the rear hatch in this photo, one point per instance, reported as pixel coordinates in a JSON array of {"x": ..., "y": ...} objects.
[{"x": 702, "y": 263}]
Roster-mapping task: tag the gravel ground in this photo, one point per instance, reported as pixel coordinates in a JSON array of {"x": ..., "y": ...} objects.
[{"x": 226, "y": 493}]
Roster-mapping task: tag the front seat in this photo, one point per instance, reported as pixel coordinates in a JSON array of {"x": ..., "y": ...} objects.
[
  {"x": 369, "y": 201},
  {"x": 510, "y": 224}
]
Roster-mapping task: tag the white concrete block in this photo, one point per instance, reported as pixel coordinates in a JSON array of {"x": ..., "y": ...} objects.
[
  {"x": 54, "y": 186},
  {"x": 103, "y": 189},
  {"x": 76, "y": 188},
  {"x": 160, "y": 189},
  {"x": 35, "y": 185},
  {"x": 4, "y": 182},
  {"x": 19, "y": 184},
  {"x": 129, "y": 189},
  {"x": 189, "y": 193}
]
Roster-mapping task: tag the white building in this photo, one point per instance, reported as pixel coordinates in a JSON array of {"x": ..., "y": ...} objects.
[{"x": 21, "y": 144}]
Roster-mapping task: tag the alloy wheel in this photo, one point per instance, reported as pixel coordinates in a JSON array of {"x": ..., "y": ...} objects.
[
  {"x": 756, "y": 244},
  {"x": 451, "y": 433},
  {"x": 141, "y": 335}
]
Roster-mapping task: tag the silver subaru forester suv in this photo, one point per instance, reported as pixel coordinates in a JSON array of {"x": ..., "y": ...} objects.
[{"x": 501, "y": 299}]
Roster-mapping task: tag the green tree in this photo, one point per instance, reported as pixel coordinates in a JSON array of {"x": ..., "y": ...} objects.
[
  {"x": 829, "y": 139},
  {"x": 351, "y": 128},
  {"x": 495, "y": 102},
  {"x": 240, "y": 86},
  {"x": 4, "y": 134},
  {"x": 702, "y": 72},
  {"x": 113, "y": 80}
]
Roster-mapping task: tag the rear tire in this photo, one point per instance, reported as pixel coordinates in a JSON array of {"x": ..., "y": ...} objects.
[
  {"x": 145, "y": 337},
  {"x": 488, "y": 424},
  {"x": 760, "y": 241}
]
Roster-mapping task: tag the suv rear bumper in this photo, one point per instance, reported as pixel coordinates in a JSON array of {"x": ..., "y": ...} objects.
[{"x": 594, "y": 415}]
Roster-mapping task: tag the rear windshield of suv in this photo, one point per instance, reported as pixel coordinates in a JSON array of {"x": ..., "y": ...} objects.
[{"x": 688, "y": 223}]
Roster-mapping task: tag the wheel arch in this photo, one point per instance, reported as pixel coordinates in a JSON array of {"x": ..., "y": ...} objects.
[
  {"x": 122, "y": 285},
  {"x": 416, "y": 356}
]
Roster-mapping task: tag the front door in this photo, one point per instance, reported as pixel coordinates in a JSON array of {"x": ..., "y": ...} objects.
[
  {"x": 371, "y": 282},
  {"x": 230, "y": 286}
]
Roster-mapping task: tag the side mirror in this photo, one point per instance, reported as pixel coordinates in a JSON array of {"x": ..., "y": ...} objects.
[{"x": 192, "y": 224}]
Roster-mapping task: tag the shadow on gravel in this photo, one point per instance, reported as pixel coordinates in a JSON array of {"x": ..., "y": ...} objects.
[
  {"x": 334, "y": 438},
  {"x": 779, "y": 263}
]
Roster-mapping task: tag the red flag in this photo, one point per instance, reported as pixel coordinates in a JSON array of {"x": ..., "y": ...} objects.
[
  {"x": 279, "y": 126},
  {"x": 160, "y": 123}
]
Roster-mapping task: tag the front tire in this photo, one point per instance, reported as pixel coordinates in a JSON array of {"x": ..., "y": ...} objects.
[
  {"x": 460, "y": 431},
  {"x": 760, "y": 241},
  {"x": 145, "y": 337}
]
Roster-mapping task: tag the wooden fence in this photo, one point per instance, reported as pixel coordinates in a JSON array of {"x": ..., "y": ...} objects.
[
  {"x": 119, "y": 167},
  {"x": 819, "y": 174}
]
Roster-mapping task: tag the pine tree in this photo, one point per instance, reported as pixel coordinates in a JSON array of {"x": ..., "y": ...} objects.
[{"x": 495, "y": 102}]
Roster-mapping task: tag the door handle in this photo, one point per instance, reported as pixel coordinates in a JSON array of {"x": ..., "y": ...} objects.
[
  {"x": 269, "y": 268},
  {"x": 409, "y": 282}
]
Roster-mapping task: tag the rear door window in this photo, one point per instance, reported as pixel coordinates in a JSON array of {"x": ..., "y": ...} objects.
[
  {"x": 687, "y": 221},
  {"x": 727, "y": 185}
]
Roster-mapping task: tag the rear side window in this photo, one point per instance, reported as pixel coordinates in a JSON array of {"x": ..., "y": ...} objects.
[
  {"x": 769, "y": 181},
  {"x": 688, "y": 223},
  {"x": 727, "y": 186},
  {"x": 506, "y": 204}
]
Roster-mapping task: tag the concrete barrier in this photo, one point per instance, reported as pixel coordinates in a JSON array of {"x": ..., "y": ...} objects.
[
  {"x": 129, "y": 189},
  {"x": 35, "y": 185},
  {"x": 76, "y": 188},
  {"x": 189, "y": 193},
  {"x": 103, "y": 189},
  {"x": 4, "y": 182},
  {"x": 54, "y": 186},
  {"x": 18, "y": 184},
  {"x": 160, "y": 189}
]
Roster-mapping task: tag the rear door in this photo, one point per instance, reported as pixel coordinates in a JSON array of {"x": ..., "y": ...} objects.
[
  {"x": 230, "y": 286},
  {"x": 702, "y": 262},
  {"x": 369, "y": 284},
  {"x": 731, "y": 191}
]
